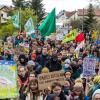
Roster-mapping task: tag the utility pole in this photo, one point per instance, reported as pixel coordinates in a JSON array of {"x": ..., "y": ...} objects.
[{"x": 83, "y": 21}]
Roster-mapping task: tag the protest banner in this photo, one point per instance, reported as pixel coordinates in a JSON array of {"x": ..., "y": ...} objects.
[
  {"x": 8, "y": 80},
  {"x": 89, "y": 65},
  {"x": 45, "y": 80}
]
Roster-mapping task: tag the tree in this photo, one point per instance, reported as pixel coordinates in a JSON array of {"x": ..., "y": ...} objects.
[
  {"x": 76, "y": 24},
  {"x": 96, "y": 3},
  {"x": 37, "y": 6},
  {"x": 89, "y": 21},
  {"x": 25, "y": 15},
  {"x": 6, "y": 30},
  {"x": 18, "y": 3}
]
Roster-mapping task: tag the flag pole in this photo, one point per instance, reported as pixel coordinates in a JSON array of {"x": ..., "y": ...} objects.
[
  {"x": 83, "y": 21},
  {"x": 20, "y": 18}
]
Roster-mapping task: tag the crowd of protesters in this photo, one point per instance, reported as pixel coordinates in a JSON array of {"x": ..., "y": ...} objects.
[{"x": 47, "y": 55}]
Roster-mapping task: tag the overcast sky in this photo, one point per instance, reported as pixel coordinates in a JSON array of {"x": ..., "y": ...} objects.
[{"x": 68, "y": 5}]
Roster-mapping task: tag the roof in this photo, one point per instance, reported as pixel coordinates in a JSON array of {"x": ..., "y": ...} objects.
[
  {"x": 82, "y": 12},
  {"x": 69, "y": 13},
  {"x": 6, "y": 8}
]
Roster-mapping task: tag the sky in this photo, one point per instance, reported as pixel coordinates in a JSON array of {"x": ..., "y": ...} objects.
[{"x": 67, "y": 5}]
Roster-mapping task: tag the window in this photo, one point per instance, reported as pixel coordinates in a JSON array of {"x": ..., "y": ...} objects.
[
  {"x": 1, "y": 15},
  {"x": 7, "y": 15}
]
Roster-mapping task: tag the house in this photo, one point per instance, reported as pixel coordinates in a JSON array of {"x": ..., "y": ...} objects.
[
  {"x": 81, "y": 14},
  {"x": 71, "y": 15},
  {"x": 61, "y": 18},
  {"x": 4, "y": 13}
]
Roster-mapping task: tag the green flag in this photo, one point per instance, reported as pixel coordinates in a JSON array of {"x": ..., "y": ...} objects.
[
  {"x": 49, "y": 24},
  {"x": 29, "y": 27},
  {"x": 15, "y": 20}
]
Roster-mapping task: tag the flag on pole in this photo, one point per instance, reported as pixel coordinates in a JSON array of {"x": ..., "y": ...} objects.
[
  {"x": 71, "y": 36},
  {"x": 94, "y": 35},
  {"x": 29, "y": 27},
  {"x": 80, "y": 37},
  {"x": 49, "y": 24},
  {"x": 15, "y": 19}
]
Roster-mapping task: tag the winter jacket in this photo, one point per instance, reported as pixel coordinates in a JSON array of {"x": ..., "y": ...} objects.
[
  {"x": 54, "y": 65},
  {"x": 61, "y": 96},
  {"x": 37, "y": 68},
  {"x": 42, "y": 60}
]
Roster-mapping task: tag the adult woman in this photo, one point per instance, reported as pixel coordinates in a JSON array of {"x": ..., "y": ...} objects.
[
  {"x": 57, "y": 90},
  {"x": 96, "y": 95},
  {"x": 77, "y": 93}
]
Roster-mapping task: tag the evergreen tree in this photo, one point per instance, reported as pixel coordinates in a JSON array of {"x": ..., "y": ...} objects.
[
  {"x": 37, "y": 6},
  {"x": 89, "y": 20},
  {"x": 19, "y": 3}
]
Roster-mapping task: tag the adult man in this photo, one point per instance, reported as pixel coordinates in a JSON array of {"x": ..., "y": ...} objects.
[
  {"x": 43, "y": 58},
  {"x": 34, "y": 66}
]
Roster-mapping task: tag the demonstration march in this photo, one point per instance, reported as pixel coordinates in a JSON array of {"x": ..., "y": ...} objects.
[{"x": 49, "y": 55}]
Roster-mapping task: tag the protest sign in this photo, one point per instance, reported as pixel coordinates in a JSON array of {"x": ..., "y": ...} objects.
[
  {"x": 8, "y": 80},
  {"x": 45, "y": 80},
  {"x": 89, "y": 65}
]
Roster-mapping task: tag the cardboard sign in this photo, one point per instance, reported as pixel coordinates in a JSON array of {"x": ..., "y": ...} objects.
[
  {"x": 8, "y": 80},
  {"x": 46, "y": 80},
  {"x": 89, "y": 65}
]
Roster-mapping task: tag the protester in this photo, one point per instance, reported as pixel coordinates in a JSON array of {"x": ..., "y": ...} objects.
[
  {"x": 43, "y": 58},
  {"x": 56, "y": 89},
  {"x": 53, "y": 64},
  {"x": 22, "y": 82},
  {"x": 96, "y": 95},
  {"x": 33, "y": 89},
  {"x": 50, "y": 56}
]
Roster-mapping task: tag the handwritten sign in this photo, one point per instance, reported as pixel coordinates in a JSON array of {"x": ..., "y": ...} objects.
[
  {"x": 45, "y": 80},
  {"x": 8, "y": 80},
  {"x": 89, "y": 65}
]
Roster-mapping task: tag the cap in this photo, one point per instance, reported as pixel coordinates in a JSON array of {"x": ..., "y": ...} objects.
[{"x": 30, "y": 63}]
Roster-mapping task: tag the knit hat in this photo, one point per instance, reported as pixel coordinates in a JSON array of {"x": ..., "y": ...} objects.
[
  {"x": 34, "y": 56},
  {"x": 30, "y": 63},
  {"x": 45, "y": 70},
  {"x": 78, "y": 80},
  {"x": 96, "y": 92},
  {"x": 96, "y": 79},
  {"x": 78, "y": 86},
  {"x": 67, "y": 61}
]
